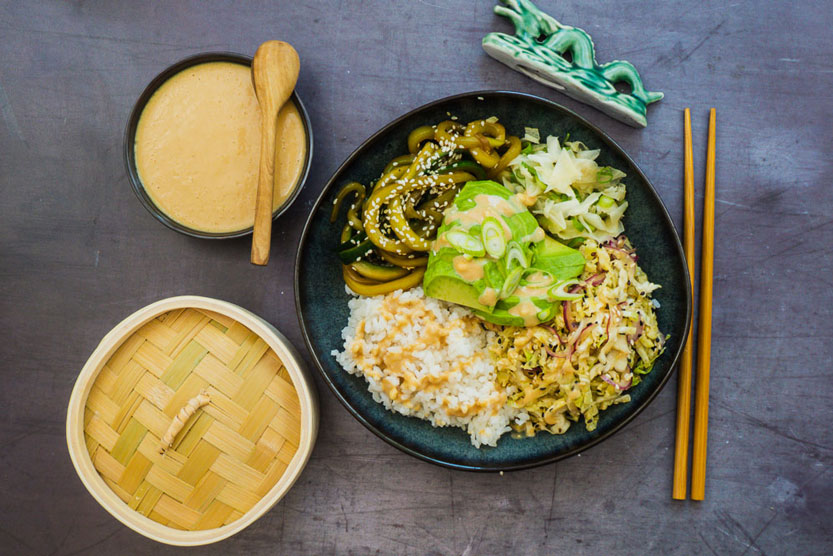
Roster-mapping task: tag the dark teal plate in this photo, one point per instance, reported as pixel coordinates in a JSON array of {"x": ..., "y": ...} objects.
[{"x": 322, "y": 301}]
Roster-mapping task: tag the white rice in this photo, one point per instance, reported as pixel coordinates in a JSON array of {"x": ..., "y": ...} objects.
[{"x": 426, "y": 358}]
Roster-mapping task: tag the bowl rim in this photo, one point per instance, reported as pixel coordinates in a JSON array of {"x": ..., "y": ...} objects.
[
  {"x": 104, "y": 495},
  {"x": 543, "y": 460},
  {"x": 130, "y": 138}
]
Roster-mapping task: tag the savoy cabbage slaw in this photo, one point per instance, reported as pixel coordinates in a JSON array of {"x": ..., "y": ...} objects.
[
  {"x": 572, "y": 196},
  {"x": 592, "y": 353},
  {"x": 606, "y": 335}
]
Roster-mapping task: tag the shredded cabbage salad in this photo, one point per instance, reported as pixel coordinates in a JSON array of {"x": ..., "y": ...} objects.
[
  {"x": 592, "y": 353},
  {"x": 570, "y": 194},
  {"x": 605, "y": 337}
]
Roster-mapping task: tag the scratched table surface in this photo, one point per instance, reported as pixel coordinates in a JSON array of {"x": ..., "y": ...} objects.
[{"x": 78, "y": 253}]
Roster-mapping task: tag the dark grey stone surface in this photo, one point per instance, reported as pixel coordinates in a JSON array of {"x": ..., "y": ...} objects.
[{"x": 78, "y": 253}]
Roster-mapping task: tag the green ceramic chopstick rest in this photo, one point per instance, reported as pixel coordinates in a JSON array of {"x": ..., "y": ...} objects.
[{"x": 563, "y": 57}]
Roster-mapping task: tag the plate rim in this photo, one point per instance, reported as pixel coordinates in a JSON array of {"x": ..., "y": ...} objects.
[{"x": 499, "y": 467}]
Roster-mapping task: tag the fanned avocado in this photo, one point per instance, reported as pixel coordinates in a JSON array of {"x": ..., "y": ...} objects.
[{"x": 488, "y": 248}]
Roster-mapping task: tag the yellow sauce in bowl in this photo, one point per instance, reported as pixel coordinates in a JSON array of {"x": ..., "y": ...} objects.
[{"x": 197, "y": 148}]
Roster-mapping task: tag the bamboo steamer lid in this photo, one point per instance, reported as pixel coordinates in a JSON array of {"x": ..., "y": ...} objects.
[{"x": 191, "y": 419}]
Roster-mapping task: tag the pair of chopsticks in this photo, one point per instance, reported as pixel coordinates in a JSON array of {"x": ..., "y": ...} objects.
[{"x": 704, "y": 336}]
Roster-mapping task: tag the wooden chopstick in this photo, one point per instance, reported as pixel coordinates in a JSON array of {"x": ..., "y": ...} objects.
[
  {"x": 704, "y": 336},
  {"x": 684, "y": 385}
]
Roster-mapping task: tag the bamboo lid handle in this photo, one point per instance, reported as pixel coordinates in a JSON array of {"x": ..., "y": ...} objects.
[
  {"x": 275, "y": 70},
  {"x": 181, "y": 418}
]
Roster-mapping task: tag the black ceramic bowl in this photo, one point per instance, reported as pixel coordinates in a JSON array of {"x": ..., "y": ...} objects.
[
  {"x": 130, "y": 141},
  {"x": 321, "y": 299}
]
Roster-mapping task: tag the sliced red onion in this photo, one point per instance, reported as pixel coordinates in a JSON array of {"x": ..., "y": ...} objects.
[
  {"x": 617, "y": 386},
  {"x": 639, "y": 330},
  {"x": 583, "y": 330},
  {"x": 534, "y": 370},
  {"x": 576, "y": 288},
  {"x": 627, "y": 253},
  {"x": 568, "y": 321},
  {"x": 619, "y": 245},
  {"x": 596, "y": 279},
  {"x": 555, "y": 333},
  {"x": 554, "y": 354},
  {"x": 637, "y": 333},
  {"x": 613, "y": 243}
]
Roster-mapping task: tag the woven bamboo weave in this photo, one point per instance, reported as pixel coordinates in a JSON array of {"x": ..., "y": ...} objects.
[{"x": 230, "y": 453}]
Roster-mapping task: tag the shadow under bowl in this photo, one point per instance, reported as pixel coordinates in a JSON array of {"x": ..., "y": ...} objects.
[{"x": 130, "y": 141}]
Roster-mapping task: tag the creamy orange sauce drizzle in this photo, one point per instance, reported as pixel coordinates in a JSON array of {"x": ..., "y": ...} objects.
[
  {"x": 526, "y": 310},
  {"x": 439, "y": 243},
  {"x": 396, "y": 365},
  {"x": 488, "y": 206},
  {"x": 198, "y": 148},
  {"x": 536, "y": 285},
  {"x": 529, "y": 291},
  {"x": 488, "y": 297},
  {"x": 469, "y": 269},
  {"x": 485, "y": 206},
  {"x": 494, "y": 403},
  {"x": 526, "y": 199},
  {"x": 539, "y": 278}
]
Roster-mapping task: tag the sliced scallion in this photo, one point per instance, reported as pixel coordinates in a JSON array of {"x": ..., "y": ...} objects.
[
  {"x": 493, "y": 240},
  {"x": 465, "y": 243},
  {"x": 559, "y": 291},
  {"x": 544, "y": 278},
  {"x": 582, "y": 226},
  {"x": 547, "y": 314},
  {"x": 511, "y": 283},
  {"x": 515, "y": 255},
  {"x": 606, "y": 202}
]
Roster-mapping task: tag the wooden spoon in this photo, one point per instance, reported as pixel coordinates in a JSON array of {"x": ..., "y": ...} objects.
[{"x": 274, "y": 74}]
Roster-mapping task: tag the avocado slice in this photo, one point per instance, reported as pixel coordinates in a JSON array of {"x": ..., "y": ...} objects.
[
  {"x": 501, "y": 317},
  {"x": 556, "y": 258},
  {"x": 475, "y": 202},
  {"x": 455, "y": 290}
]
